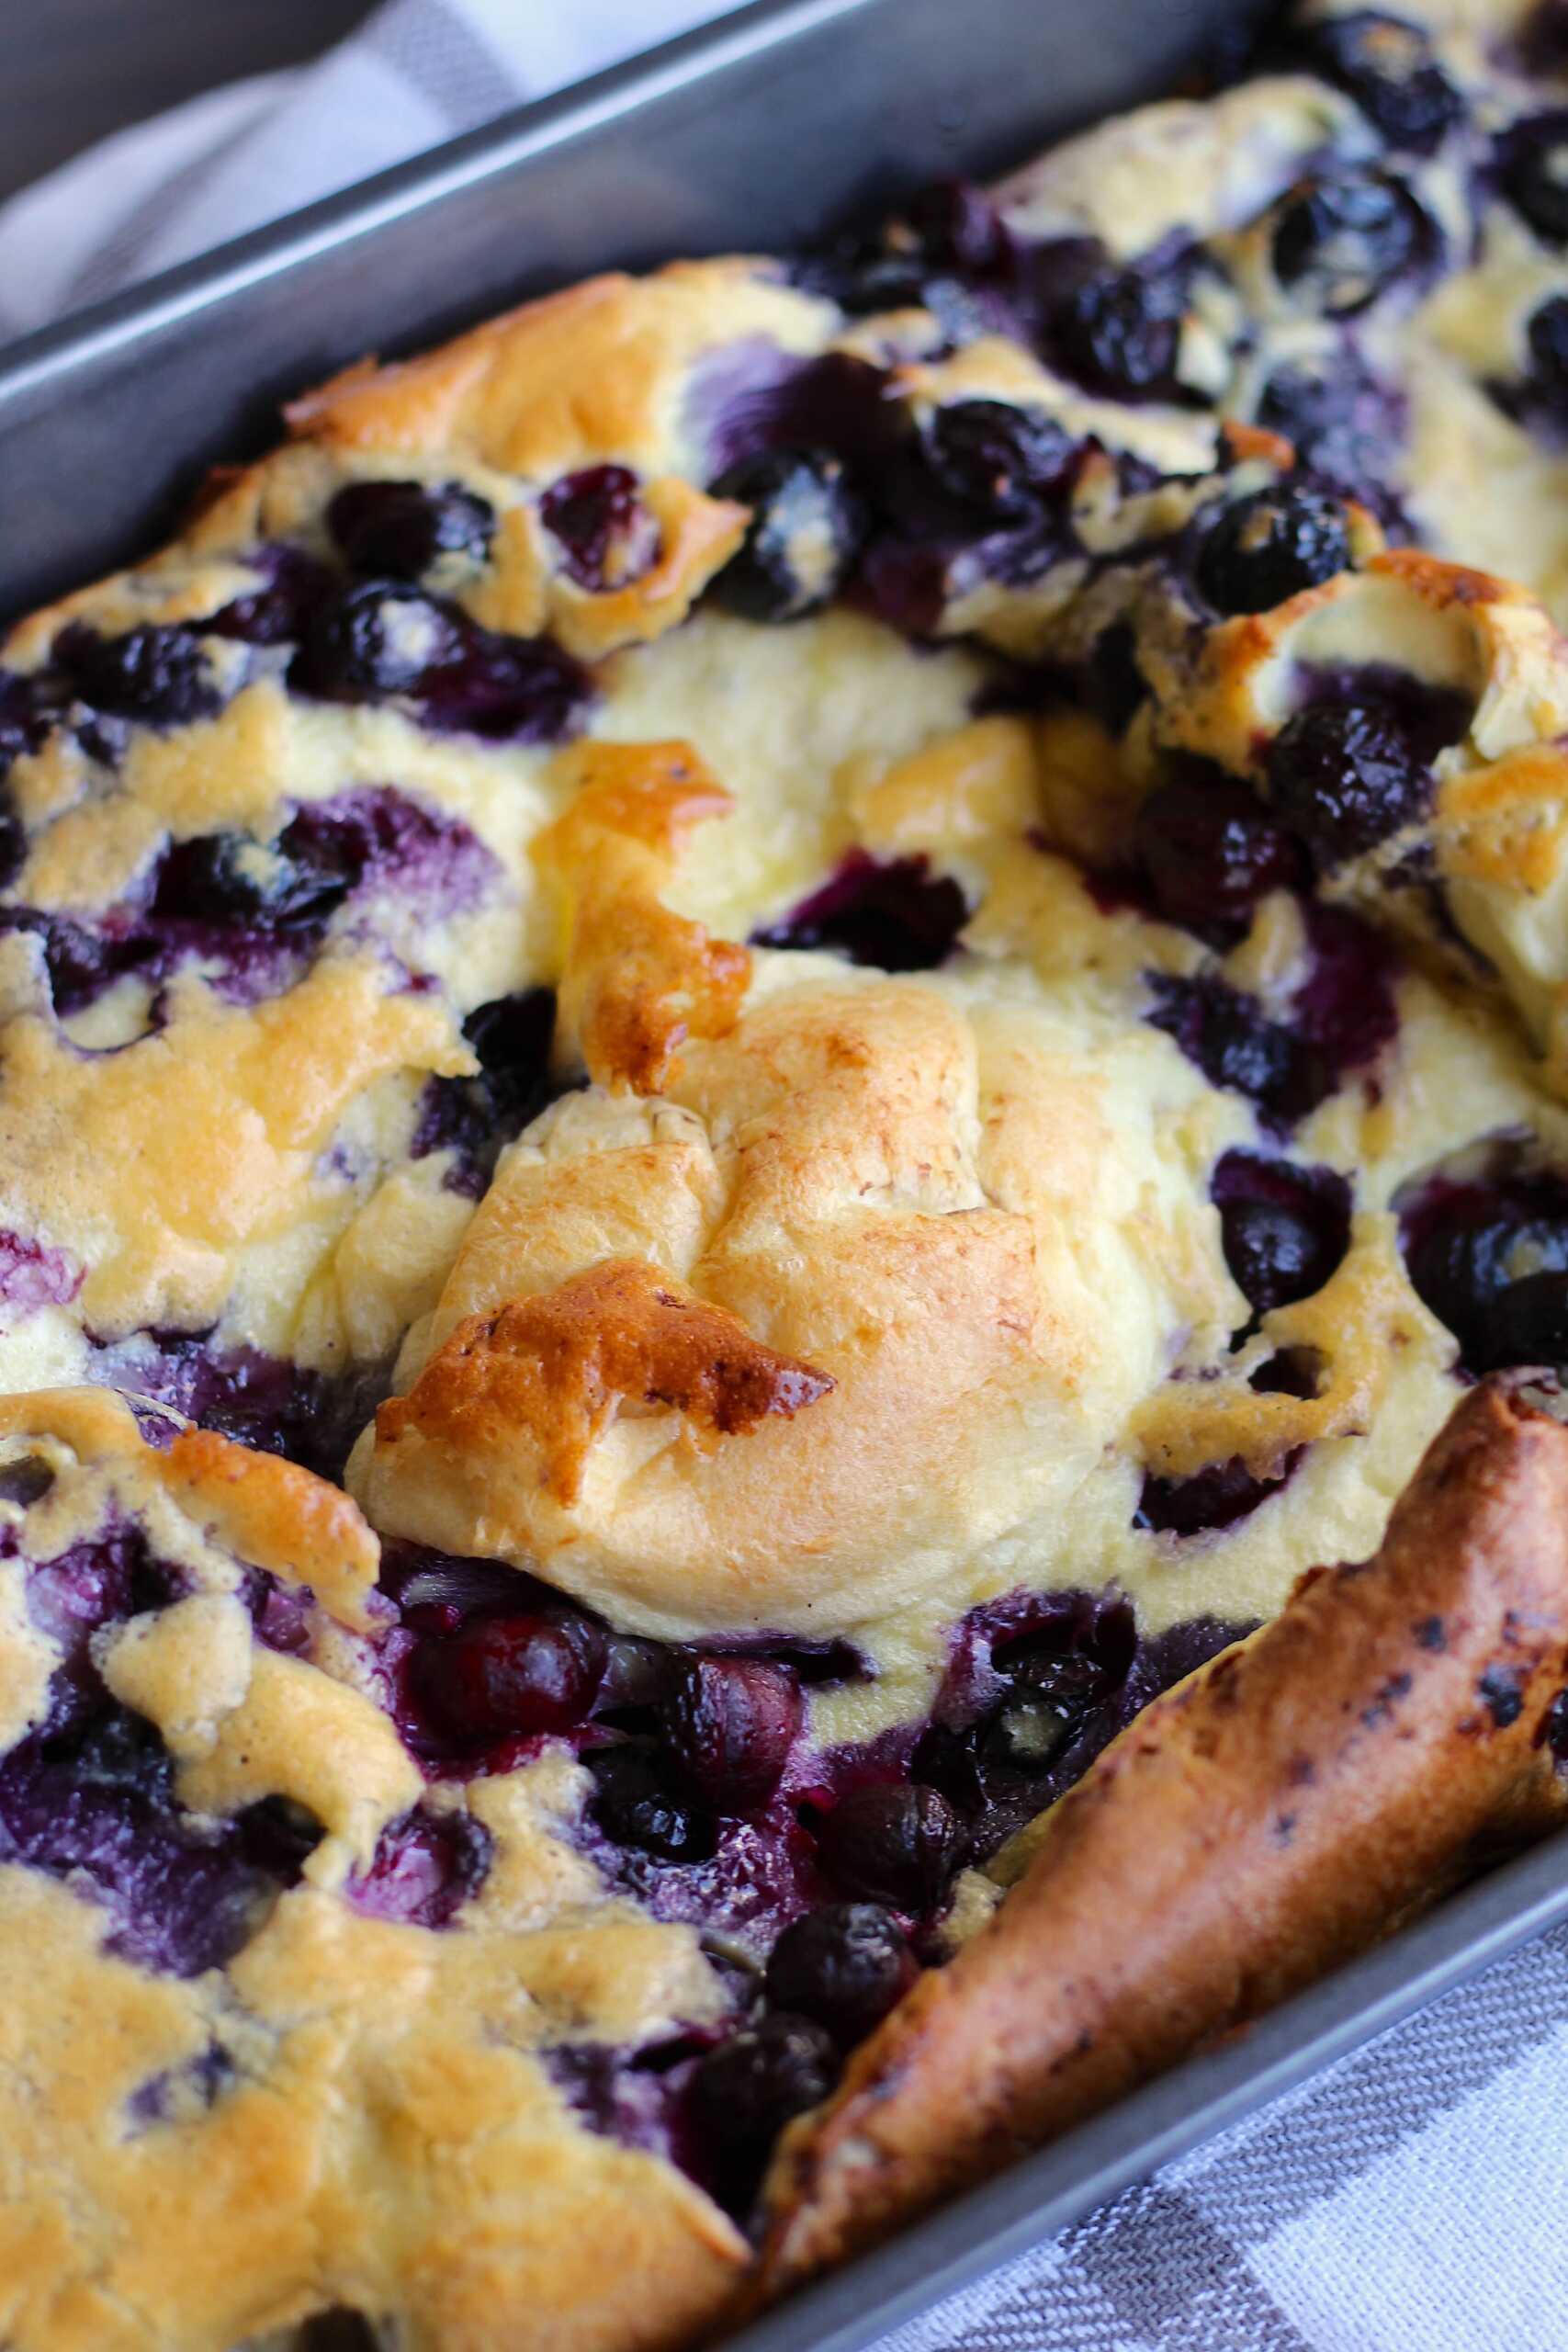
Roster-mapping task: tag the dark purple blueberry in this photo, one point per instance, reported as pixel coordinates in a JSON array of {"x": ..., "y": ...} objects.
[
  {"x": 805, "y": 529},
  {"x": 228, "y": 878},
  {"x": 746, "y": 2090},
  {"x": 1345, "y": 777},
  {"x": 1345, "y": 425},
  {"x": 1264, "y": 548},
  {"x": 379, "y": 638},
  {"x": 843, "y": 1966},
  {"x": 156, "y": 674},
  {"x": 82, "y": 962},
  {"x": 1339, "y": 244},
  {"x": 12, "y": 846},
  {"x": 633, "y": 1804},
  {"x": 1459, "y": 1264},
  {"x": 1053, "y": 1695},
  {"x": 1211, "y": 851},
  {"x": 275, "y": 612},
  {"x": 959, "y": 228},
  {"x": 1527, "y": 1323},
  {"x": 1387, "y": 66},
  {"x": 996, "y": 459},
  {"x": 1548, "y": 337},
  {"x": 1234, "y": 1044},
  {"x": 887, "y": 1843},
  {"x": 1285, "y": 1228},
  {"x": 608, "y": 535},
  {"x": 1274, "y": 1255},
  {"x": 1120, "y": 332},
  {"x": 1535, "y": 174},
  {"x": 730, "y": 1722},
  {"x": 395, "y": 530},
  {"x": 897, "y": 916},
  {"x": 426, "y": 1867},
  {"x": 509, "y": 1676},
  {"x": 1213, "y": 1498}
]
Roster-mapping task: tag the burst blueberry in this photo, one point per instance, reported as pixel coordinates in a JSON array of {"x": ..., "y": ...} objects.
[
  {"x": 999, "y": 461},
  {"x": 746, "y": 2090},
  {"x": 509, "y": 1676},
  {"x": 1339, "y": 243},
  {"x": 843, "y": 1965},
  {"x": 607, "y": 534},
  {"x": 1534, "y": 174},
  {"x": 635, "y": 1805},
  {"x": 158, "y": 674},
  {"x": 1270, "y": 547},
  {"x": 730, "y": 1722},
  {"x": 1345, "y": 776},
  {"x": 893, "y": 1843},
  {"x": 396, "y": 530},
  {"x": 1120, "y": 333},
  {"x": 1210, "y": 851},
  {"x": 379, "y": 638},
  {"x": 1387, "y": 66},
  {"x": 805, "y": 532}
]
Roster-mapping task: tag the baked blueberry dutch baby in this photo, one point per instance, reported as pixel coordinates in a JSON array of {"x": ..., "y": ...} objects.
[{"x": 783, "y": 1273}]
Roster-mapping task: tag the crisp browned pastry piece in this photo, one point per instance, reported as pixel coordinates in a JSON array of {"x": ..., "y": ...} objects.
[{"x": 1264, "y": 1820}]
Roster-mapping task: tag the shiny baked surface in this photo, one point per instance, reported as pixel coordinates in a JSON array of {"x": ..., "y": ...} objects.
[{"x": 848, "y": 979}]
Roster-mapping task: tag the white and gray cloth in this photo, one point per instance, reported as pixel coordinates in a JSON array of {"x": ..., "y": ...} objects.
[{"x": 1415, "y": 2198}]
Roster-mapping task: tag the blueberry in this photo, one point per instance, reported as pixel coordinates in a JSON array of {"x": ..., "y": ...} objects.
[
  {"x": 1284, "y": 1229},
  {"x": 1215, "y": 1498},
  {"x": 1345, "y": 776},
  {"x": 1210, "y": 851},
  {"x": 395, "y": 530},
  {"x": 1344, "y": 425},
  {"x": 1526, "y": 1323},
  {"x": 893, "y": 1843},
  {"x": 1234, "y": 1044},
  {"x": 895, "y": 915},
  {"x": 1460, "y": 1267},
  {"x": 512, "y": 1037},
  {"x": 1535, "y": 174},
  {"x": 426, "y": 1867},
  {"x": 998, "y": 460},
  {"x": 1120, "y": 333},
  {"x": 501, "y": 1678},
  {"x": 1053, "y": 1695},
  {"x": 633, "y": 1805},
  {"x": 379, "y": 638},
  {"x": 805, "y": 531},
  {"x": 746, "y": 2090},
  {"x": 958, "y": 229},
  {"x": 843, "y": 1966},
  {"x": 293, "y": 583},
  {"x": 1264, "y": 548},
  {"x": 730, "y": 1722},
  {"x": 608, "y": 535},
  {"x": 228, "y": 878},
  {"x": 1547, "y": 334},
  {"x": 1387, "y": 68},
  {"x": 1339, "y": 244},
  {"x": 156, "y": 674}
]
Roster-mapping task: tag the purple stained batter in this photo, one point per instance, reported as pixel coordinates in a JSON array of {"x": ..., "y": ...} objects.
[{"x": 32, "y": 1277}]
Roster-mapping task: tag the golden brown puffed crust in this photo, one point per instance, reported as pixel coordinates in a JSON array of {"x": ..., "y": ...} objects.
[
  {"x": 560, "y": 1367},
  {"x": 637, "y": 980},
  {"x": 1264, "y": 1820}
]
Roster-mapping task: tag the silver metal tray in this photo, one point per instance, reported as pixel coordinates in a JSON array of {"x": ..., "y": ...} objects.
[{"x": 758, "y": 132}]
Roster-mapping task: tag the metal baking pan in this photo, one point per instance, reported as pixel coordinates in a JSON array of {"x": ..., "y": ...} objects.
[{"x": 759, "y": 133}]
